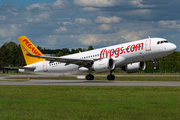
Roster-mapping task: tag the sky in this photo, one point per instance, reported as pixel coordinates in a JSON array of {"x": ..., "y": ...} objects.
[{"x": 57, "y": 24}]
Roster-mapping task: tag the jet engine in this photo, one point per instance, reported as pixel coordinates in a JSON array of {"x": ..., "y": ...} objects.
[
  {"x": 135, "y": 67},
  {"x": 103, "y": 65}
]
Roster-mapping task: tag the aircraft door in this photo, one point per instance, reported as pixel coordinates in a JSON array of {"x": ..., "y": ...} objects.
[
  {"x": 148, "y": 45},
  {"x": 45, "y": 66}
]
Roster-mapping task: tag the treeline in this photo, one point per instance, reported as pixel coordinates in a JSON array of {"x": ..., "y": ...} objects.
[
  {"x": 63, "y": 51},
  {"x": 11, "y": 55}
]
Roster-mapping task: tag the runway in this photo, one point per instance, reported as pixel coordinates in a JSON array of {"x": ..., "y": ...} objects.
[
  {"x": 85, "y": 83},
  {"x": 31, "y": 82}
]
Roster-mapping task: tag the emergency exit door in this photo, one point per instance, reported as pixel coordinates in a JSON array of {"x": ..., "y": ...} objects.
[
  {"x": 148, "y": 45},
  {"x": 45, "y": 66}
]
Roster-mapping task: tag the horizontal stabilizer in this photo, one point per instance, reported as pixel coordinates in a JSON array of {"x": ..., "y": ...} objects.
[{"x": 16, "y": 68}]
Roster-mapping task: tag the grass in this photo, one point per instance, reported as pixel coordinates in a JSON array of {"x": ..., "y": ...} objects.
[{"x": 58, "y": 102}]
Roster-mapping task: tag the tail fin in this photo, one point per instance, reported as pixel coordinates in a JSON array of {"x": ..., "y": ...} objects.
[{"x": 26, "y": 45}]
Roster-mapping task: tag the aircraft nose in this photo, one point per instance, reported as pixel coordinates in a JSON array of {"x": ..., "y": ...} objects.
[{"x": 173, "y": 47}]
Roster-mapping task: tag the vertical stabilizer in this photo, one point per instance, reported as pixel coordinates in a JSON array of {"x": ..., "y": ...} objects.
[{"x": 26, "y": 45}]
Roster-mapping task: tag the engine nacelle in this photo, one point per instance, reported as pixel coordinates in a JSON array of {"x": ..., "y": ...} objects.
[
  {"x": 135, "y": 67},
  {"x": 119, "y": 62},
  {"x": 103, "y": 65}
]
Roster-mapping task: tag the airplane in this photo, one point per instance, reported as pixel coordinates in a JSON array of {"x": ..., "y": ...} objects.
[{"x": 130, "y": 57}]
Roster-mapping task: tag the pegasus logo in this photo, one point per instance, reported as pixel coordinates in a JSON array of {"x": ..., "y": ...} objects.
[{"x": 32, "y": 47}]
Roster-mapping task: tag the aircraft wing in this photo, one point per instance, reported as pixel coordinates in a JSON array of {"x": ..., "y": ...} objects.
[{"x": 80, "y": 62}]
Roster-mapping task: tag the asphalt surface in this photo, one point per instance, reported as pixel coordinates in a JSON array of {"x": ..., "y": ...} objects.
[
  {"x": 26, "y": 82},
  {"x": 85, "y": 83}
]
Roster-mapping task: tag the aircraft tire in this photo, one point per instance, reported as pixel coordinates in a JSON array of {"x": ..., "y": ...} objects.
[
  {"x": 156, "y": 68},
  {"x": 110, "y": 77},
  {"x": 89, "y": 77}
]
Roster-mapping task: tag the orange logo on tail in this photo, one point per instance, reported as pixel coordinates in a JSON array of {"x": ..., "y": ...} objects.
[{"x": 30, "y": 46}]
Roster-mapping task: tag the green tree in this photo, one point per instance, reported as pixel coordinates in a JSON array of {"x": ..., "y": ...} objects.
[
  {"x": 39, "y": 48},
  {"x": 78, "y": 50},
  {"x": 13, "y": 55},
  {"x": 4, "y": 56},
  {"x": 90, "y": 48},
  {"x": 60, "y": 53}
]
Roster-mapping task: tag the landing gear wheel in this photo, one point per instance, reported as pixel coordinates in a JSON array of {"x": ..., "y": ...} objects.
[
  {"x": 89, "y": 77},
  {"x": 110, "y": 77},
  {"x": 155, "y": 68}
]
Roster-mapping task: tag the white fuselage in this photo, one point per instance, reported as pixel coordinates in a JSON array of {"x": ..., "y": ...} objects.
[{"x": 137, "y": 51}]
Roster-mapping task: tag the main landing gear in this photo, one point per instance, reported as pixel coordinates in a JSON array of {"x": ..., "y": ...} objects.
[
  {"x": 89, "y": 77},
  {"x": 109, "y": 77},
  {"x": 154, "y": 62}
]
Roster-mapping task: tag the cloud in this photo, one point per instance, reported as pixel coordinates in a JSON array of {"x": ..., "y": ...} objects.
[
  {"x": 91, "y": 39},
  {"x": 133, "y": 35},
  {"x": 90, "y": 9},
  {"x": 95, "y": 3},
  {"x": 2, "y": 17},
  {"x": 8, "y": 31},
  {"x": 170, "y": 24},
  {"x": 42, "y": 17},
  {"x": 79, "y": 23},
  {"x": 61, "y": 30},
  {"x": 82, "y": 20},
  {"x": 47, "y": 6},
  {"x": 114, "y": 19},
  {"x": 41, "y": 6},
  {"x": 65, "y": 23},
  {"x": 105, "y": 27},
  {"x": 111, "y": 3},
  {"x": 59, "y": 4}
]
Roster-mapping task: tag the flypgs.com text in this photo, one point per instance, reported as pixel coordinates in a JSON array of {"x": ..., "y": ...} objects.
[{"x": 121, "y": 50}]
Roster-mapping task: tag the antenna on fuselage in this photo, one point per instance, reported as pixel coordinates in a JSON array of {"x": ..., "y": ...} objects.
[{"x": 149, "y": 37}]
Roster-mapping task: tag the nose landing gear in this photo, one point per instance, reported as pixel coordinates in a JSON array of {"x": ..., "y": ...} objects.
[{"x": 154, "y": 62}]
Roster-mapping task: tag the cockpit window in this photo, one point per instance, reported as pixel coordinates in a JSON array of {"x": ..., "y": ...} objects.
[{"x": 161, "y": 42}]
